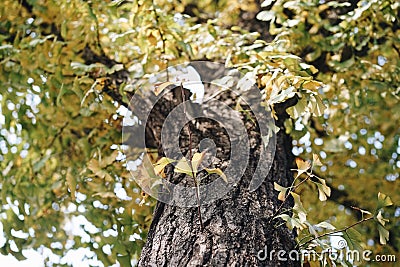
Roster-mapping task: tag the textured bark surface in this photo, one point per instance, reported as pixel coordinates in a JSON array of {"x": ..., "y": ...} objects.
[{"x": 236, "y": 227}]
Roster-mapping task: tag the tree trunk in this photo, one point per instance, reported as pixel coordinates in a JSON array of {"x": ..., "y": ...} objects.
[{"x": 238, "y": 229}]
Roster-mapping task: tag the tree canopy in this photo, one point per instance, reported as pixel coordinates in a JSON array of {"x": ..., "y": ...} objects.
[{"x": 69, "y": 68}]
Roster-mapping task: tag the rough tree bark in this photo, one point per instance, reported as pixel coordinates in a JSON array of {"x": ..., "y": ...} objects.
[{"x": 236, "y": 227}]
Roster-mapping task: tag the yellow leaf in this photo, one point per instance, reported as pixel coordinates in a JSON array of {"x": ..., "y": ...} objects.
[
  {"x": 219, "y": 172},
  {"x": 282, "y": 191},
  {"x": 196, "y": 160},
  {"x": 316, "y": 160},
  {"x": 380, "y": 218},
  {"x": 302, "y": 166},
  {"x": 384, "y": 200},
  {"x": 161, "y": 87},
  {"x": 160, "y": 165},
  {"x": 109, "y": 159},
  {"x": 183, "y": 167},
  {"x": 312, "y": 85}
]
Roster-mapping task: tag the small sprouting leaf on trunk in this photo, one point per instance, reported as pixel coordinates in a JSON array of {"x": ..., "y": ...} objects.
[
  {"x": 196, "y": 160},
  {"x": 183, "y": 165},
  {"x": 217, "y": 171},
  {"x": 161, "y": 164},
  {"x": 282, "y": 191},
  {"x": 161, "y": 87}
]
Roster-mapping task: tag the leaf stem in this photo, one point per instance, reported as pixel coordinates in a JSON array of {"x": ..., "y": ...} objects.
[{"x": 292, "y": 188}]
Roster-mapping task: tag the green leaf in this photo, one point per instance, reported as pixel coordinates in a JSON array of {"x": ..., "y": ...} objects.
[
  {"x": 292, "y": 222},
  {"x": 124, "y": 261},
  {"x": 18, "y": 255},
  {"x": 353, "y": 238},
  {"x": 282, "y": 191}
]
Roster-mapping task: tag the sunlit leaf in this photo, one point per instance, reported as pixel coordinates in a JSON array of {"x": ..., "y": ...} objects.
[
  {"x": 161, "y": 87},
  {"x": 326, "y": 225},
  {"x": 298, "y": 207},
  {"x": 302, "y": 166},
  {"x": 217, "y": 171},
  {"x": 380, "y": 218},
  {"x": 161, "y": 163},
  {"x": 384, "y": 201},
  {"x": 383, "y": 234},
  {"x": 282, "y": 191},
  {"x": 316, "y": 160}
]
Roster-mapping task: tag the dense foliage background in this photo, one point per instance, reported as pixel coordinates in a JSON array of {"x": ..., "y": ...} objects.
[{"x": 62, "y": 63}]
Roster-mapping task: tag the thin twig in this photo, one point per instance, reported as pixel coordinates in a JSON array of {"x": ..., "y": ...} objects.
[
  {"x": 190, "y": 161},
  {"x": 333, "y": 232},
  {"x": 292, "y": 188}
]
